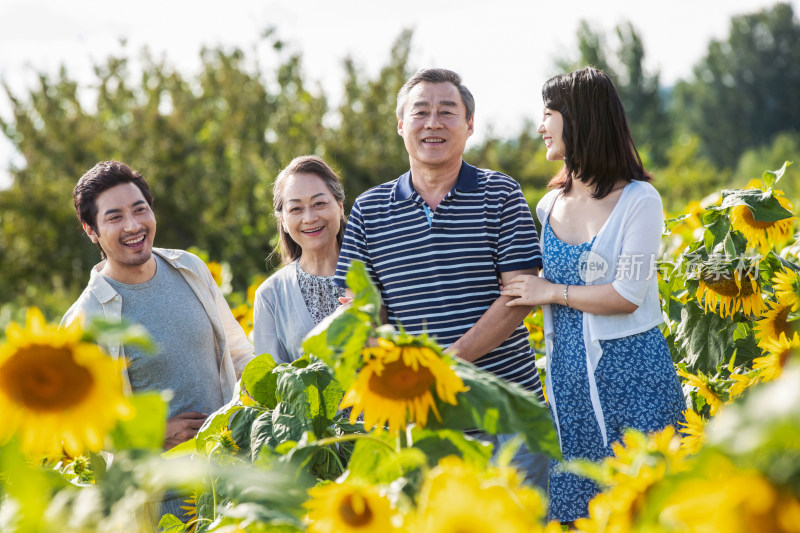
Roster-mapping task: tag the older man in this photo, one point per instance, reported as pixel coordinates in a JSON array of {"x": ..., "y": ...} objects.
[{"x": 436, "y": 239}]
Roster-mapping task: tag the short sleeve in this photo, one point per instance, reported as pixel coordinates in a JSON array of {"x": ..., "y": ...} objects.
[
  {"x": 354, "y": 247},
  {"x": 518, "y": 242},
  {"x": 636, "y": 264}
]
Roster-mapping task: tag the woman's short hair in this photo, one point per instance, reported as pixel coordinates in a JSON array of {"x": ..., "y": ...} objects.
[
  {"x": 599, "y": 148},
  {"x": 306, "y": 164}
]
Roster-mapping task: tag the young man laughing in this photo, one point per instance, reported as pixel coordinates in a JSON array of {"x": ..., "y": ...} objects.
[{"x": 201, "y": 349}]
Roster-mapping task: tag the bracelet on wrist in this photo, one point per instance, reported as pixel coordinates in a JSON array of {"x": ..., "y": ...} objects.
[{"x": 566, "y": 295}]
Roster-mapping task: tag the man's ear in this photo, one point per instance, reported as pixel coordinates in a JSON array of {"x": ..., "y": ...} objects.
[
  {"x": 471, "y": 126},
  {"x": 90, "y": 232},
  {"x": 400, "y": 126}
]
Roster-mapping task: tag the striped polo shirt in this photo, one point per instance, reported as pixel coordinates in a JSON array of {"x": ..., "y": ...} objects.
[{"x": 437, "y": 270}]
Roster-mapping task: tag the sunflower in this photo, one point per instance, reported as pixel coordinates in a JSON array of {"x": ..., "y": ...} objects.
[
  {"x": 742, "y": 382},
  {"x": 251, "y": 290},
  {"x": 216, "y": 272},
  {"x": 458, "y": 498},
  {"x": 225, "y": 440},
  {"x": 190, "y": 511},
  {"x": 639, "y": 463},
  {"x": 778, "y": 351},
  {"x": 694, "y": 434},
  {"x": 786, "y": 285},
  {"x": 641, "y": 460},
  {"x": 713, "y": 401},
  {"x": 731, "y": 291},
  {"x": 764, "y": 234},
  {"x": 395, "y": 386},
  {"x": 55, "y": 388},
  {"x": 533, "y": 323},
  {"x": 773, "y": 322},
  {"x": 346, "y": 507},
  {"x": 729, "y": 499},
  {"x": 244, "y": 316},
  {"x": 604, "y": 515}
]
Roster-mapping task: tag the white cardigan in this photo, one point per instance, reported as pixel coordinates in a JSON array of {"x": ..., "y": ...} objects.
[{"x": 627, "y": 245}]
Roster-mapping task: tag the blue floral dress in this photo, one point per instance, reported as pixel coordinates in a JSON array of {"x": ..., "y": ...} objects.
[{"x": 636, "y": 382}]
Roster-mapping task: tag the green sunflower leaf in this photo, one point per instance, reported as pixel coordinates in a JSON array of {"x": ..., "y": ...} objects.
[
  {"x": 496, "y": 406},
  {"x": 703, "y": 339},
  {"x": 771, "y": 177},
  {"x": 170, "y": 523},
  {"x": 146, "y": 428},
  {"x": 763, "y": 205},
  {"x": 339, "y": 338},
  {"x": 716, "y": 232},
  {"x": 259, "y": 380},
  {"x": 670, "y": 223},
  {"x": 368, "y": 454},
  {"x": 440, "y": 443}
]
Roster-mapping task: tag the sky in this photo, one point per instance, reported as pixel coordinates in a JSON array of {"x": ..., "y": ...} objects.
[{"x": 504, "y": 49}]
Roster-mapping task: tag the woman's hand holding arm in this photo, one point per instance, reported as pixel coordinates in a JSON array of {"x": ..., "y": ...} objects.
[{"x": 594, "y": 299}]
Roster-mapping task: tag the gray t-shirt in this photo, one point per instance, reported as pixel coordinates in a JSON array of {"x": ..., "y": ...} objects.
[{"x": 186, "y": 360}]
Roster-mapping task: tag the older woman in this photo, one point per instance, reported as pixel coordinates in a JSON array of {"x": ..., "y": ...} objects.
[{"x": 308, "y": 200}]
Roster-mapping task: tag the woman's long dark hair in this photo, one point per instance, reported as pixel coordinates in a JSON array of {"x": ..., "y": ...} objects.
[
  {"x": 306, "y": 164},
  {"x": 598, "y": 143}
]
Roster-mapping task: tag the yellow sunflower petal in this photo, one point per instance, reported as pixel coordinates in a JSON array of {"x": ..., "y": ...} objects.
[
  {"x": 730, "y": 292},
  {"x": 346, "y": 507},
  {"x": 56, "y": 391},
  {"x": 742, "y": 382},
  {"x": 787, "y": 288},
  {"x": 773, "y": 323},
  {"x": 763, "y": 234},
  {"x": 693, "y": 431},
  {"x": 778, "y": 351},
  {"x": 457, "y": 498},
  {"x": 713, "y": 401},
  {"x": 395, "y": 386}
]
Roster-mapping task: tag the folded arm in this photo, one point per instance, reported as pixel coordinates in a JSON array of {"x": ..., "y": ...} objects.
[{"x": 495, "y": 325}]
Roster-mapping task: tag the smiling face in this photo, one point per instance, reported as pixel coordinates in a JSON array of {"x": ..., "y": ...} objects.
[
  {"x": 552, "y": 130},
  {"x": 434, "y": 126},
  {"x": 124, "y": 228},
  {"x": 311, "y": 215}
]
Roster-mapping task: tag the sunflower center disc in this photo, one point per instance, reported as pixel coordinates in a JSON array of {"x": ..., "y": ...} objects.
[
  {"x": 350, "y": 516},
  {"x": 727, "y": 286},
  {"x": 400, "y": 382},
  {"x": 43, "y": 378}
]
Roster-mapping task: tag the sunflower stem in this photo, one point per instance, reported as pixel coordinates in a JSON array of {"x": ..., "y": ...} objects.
[
  {"x": 213, "y": 499},
  {"x": 351, "y": 436}
]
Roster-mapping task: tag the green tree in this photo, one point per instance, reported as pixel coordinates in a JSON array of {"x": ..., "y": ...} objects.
[
  {"x": 687, "y": 175},
  {"x": 639, "y": 90},
  {"x": 744, "y": 92},
  {"x": 365, "y": 147},
  {"x": 210, "y": 147},
  {"x": 785, "y": 147},
  {"x": 521, "y": 157}
]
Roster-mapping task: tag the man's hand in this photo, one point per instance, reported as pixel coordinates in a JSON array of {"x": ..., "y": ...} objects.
[
  {"x": 183, "y": 427},
  {"x": 348, "y": 297}
]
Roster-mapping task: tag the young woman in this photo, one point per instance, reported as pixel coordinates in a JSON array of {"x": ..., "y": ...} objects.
[
  {"x": 608, "y": 365},
  {"x": 308, "y": 200}
]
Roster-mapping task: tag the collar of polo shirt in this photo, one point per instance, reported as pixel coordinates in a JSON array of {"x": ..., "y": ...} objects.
[{"x": 467, "y": 181}]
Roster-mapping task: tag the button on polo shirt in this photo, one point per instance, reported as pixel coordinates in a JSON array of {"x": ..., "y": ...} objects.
[{"x": 437, "y": 272}]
